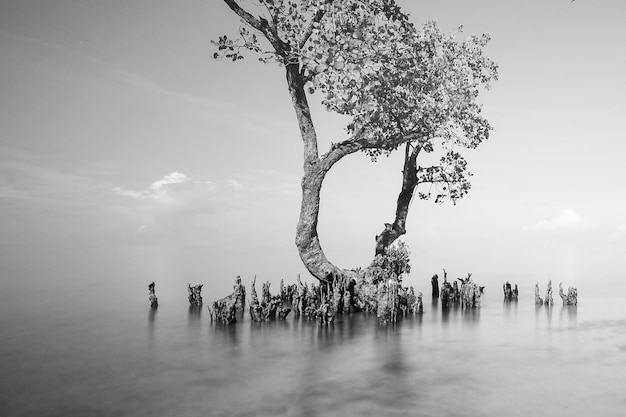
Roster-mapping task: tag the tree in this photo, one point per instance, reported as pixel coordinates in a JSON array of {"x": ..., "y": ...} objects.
[{"x": 397, "y": 84}]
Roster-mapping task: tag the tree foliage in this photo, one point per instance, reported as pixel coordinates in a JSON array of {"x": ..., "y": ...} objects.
[
  {"x": 394, "y": 263},
  {"x": 398, "y": 84}
]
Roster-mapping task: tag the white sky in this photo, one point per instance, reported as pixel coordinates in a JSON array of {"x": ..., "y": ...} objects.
[{"x": 119, "y": 130}]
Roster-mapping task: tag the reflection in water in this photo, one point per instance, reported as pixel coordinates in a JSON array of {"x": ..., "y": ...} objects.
[
  {"x": 195, "y": 312},
  {"x": 451, "y": 313},
  {"x": 225, "y": 336},
  {"x": 568, "y": 315},
  {"x": 394, "y": 384},
  {"x": 151, "y": 319},
  {"x": 353, "y": 367},
  {"x": 152, "y": 316},
  {"x": 471, "y": 315},
  {"x": 549, "y": 309},
  {"x": 510, "y": 305},
  {"x": 543, "y": 312}
]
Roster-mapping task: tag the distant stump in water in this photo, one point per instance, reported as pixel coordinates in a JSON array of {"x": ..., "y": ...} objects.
[
  {"x": 152, "y": 296},
  {"x": 224, "y": 310},
  {"x": 195, "y": 296},
  {"x": 538, "y": 299},
  {"x": 434, "y": 281},
  {"x": 239, "y": 293},
  {"x": 388, "y": 301},
  {"x": 447, "y": 294},
  {"x": 468, "y": 295},
  {"x": 510, "y": 294},
  {"x": 571, "y": 298},
  {"x": 470, "y": 292},
  {"x": 549, "y": 300},
  {"x": 419, "y": 305},
  {"x": 227, "y": 309},
  {"x": 269, "y": 307}
]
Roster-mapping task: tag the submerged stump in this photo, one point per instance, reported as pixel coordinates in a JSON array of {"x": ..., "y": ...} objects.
[
  {"x": 388, "y": 301},
  {"x": 510, "y": 294},
  {"x": 195, "y": 296},
  {"x": 227, "y": 309},
  {"x": 269, "y": 306},
  {"x": 549, "y": 300},
  {"x": 571, "y": 298},
  {"x": 434, "y": 281},
  {"x": 152, "y": 296},
  {"x": 538, "y": 299},
  {"x": 471, "y": 293}
]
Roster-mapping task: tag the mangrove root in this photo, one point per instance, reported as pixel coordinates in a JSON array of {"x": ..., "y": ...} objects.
[
  {"x": 230, "y": 307},
  {"x": 510, "y": 294},
  {"x": 152, "y": 296},
  {"x": 572, "y": 295},
  {"x": 194, "y": 294},
  {"x": 538, "y": 299}
]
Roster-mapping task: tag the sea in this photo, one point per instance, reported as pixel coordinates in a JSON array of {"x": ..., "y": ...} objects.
[{"x": 82, "y": 340}]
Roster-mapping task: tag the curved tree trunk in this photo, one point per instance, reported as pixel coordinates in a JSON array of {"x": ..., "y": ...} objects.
[
  {"x": 315, "y": 168},
  {"x": 307, "y": 239},
  {"x": 396, "y": 229}
]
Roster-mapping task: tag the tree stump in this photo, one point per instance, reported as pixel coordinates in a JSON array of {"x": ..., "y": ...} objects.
[
  {"x": 572, "y": 295},
  {"x": 227, "y": 309},
  {"x": 510, "y": 294},
  {"x": 195, "y": 296},
  {"x": 152, "y": 296},
  {"x": 435, "y": 284},
  {"x": 538, "y": 299},
  {"x": 549, "y": 300}
]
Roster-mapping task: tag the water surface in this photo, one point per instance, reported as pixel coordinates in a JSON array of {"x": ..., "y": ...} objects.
[{"x": 96, "y": 348}]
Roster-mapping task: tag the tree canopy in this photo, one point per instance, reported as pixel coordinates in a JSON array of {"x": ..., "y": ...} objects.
[{"x": 397, "y": 83}]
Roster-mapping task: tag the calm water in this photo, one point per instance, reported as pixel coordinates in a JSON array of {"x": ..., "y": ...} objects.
[{"x": 97, "y": 349}]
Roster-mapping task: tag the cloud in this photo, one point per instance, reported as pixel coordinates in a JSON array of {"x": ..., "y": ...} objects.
[
  {"x": 170, "y": 205},
  {"x": 45, "y": 203},
  {"x": 174, "y": 189},
  {"x": 566, "y": 219}
]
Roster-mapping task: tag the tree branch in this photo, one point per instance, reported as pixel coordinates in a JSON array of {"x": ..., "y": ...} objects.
[
  {"x": 256, "y": 23},
  {"x": 262, "y": 25},
  {"x": 359, "y": 142},
  {"x": 410, "y": 180},
  {"x": 309, "y": 30}
]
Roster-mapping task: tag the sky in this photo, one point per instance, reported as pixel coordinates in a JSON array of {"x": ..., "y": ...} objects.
[{"x": 121, "y": 138}]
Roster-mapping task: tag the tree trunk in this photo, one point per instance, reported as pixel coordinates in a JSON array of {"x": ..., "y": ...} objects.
[
  {"x": 307, "y": 239},
  {"x": 409, "y": 182}
]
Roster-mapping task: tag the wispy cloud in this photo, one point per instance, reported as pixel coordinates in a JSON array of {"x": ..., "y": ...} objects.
[
  {"x": 179, "y": 205},
  {"x": 46, "y": 203},
  {"x": 565, "y": 219},
  {"x": 170, "y": 204}
]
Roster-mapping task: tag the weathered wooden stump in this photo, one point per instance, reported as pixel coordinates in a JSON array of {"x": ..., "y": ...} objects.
[
  {"x": 434, "y": 281},
  {"x": 471, "y": 293},
  {"x": 224, "y": 310},
  {"x": 549, "y": 300},
  {"x": 269, "y": 306},
  {"x": 510, "y": 294},
  {"x": 239, "y": 293},
  {"x": 195, "y": 296},
  {"x": 538, "y": 299},
  {"x": 387, "y": 296},
  {"x": 419, "y": 305},
  {"x": 571, "y": 298},
  {"x": 227, "y": 309},
  {"x": 152, "y": 296}
]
